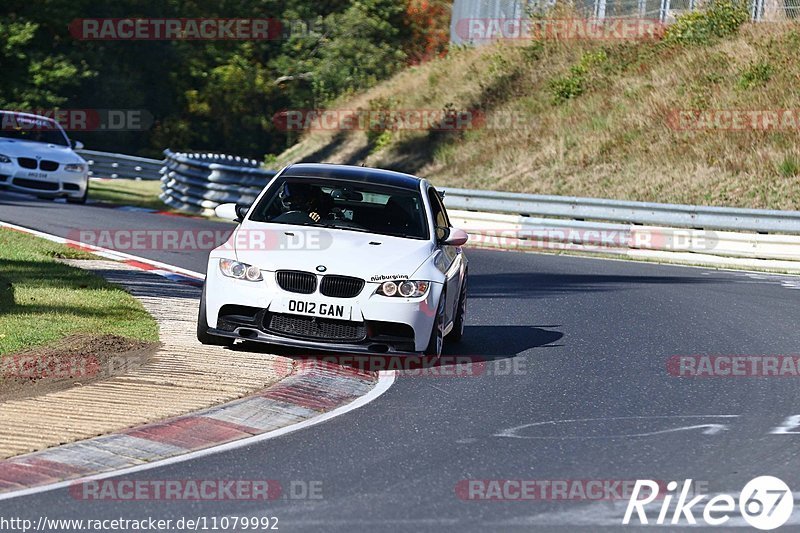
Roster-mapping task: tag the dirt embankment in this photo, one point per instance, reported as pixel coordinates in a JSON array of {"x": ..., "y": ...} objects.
[{"x": 73, "y": 361}]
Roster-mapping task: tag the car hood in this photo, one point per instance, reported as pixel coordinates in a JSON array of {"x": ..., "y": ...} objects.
[
  {"x": 368, "y": 256},
  {"x": 53, "y": 152}
]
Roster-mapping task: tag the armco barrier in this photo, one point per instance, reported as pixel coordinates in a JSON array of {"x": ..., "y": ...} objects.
[
  {"x": 682, "y": 216},
  {"x": 197, "y": 183},
  {"x": 120, "y": 166},
  {"x": 712, "y": 236}
]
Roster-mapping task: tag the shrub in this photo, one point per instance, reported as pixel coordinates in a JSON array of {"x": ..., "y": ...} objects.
[
  {"x": 789, "y": 167},
  {"x": 382, "y": 121},
  {"x": 576, "y": 82},
  {"x": 754, "y": 75},
  {"x": 720, "y": 19}
]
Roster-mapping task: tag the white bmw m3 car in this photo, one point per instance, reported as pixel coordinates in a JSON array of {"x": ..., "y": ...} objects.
[
  {"x": 338, "y": 258},
  {"x": 37, "y": 157}
]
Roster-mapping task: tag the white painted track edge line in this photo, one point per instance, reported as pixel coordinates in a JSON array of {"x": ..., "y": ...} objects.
[
  {"x": 385, "y": 380},
  {"x": 105, "y": 252},
  {"x": 622, "y": 258}
]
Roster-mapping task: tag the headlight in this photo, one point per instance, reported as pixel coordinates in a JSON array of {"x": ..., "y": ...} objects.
[
  {"x": 75, "y": 167},
  {"x": 4, "y": 159},
  {"x": 237, "y": 270},
  {"x": 404, "y": 289}
]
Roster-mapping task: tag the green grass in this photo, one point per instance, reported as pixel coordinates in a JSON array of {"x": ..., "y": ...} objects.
[
  {"x": 139, "y": 193},
  {"x": 42, "y": 300}
]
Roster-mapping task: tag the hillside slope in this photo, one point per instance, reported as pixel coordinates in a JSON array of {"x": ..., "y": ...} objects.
[{"x": 598, "y": 119}]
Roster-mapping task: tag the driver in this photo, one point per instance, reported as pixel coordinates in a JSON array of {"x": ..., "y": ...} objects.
[{"x": 309, "y": 199}]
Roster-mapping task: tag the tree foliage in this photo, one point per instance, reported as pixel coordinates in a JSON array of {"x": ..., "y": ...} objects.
[{"x": 207, "y": 95}]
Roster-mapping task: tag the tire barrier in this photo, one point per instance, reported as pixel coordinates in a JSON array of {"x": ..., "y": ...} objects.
[{"x": 197, "y": 183}]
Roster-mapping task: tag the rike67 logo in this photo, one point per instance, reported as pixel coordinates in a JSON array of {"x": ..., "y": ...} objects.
[{"x": 765, "y": 503}]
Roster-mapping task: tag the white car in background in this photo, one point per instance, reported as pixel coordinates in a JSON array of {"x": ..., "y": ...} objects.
[
  {"x": 37, "y": 157},
  {"x": 338, "y": 258}
]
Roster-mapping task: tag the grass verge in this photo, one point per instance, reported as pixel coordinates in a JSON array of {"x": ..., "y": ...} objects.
[
  {"x": 43, "y": 301},
  {"x": 138, "y": 193}
]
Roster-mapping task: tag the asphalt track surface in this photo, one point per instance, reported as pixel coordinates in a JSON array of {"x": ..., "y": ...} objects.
[{"x": 585, "y": 339}]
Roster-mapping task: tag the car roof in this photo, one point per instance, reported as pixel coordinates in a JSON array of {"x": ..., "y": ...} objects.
[
  {"x": 27, "y": 115},
  {"x": 30, "y": 116},
  {"x": 353, "y": 173}
]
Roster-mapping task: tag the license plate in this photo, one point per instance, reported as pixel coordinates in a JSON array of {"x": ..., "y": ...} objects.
[
  {"x": 37, "y": 175},
  {"x": 320, "y": 309}
]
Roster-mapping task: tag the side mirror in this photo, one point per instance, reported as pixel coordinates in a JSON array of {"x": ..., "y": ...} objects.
[
  {"x": 77, "y": 145},
  {"x": 231, "y": 212},
  {"x": 452, "y": 236}
]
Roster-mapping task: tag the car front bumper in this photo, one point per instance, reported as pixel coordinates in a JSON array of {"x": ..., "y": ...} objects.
[
  {"x": 245, "y": 310},
  {"x": 322, "y": 346},
  {"x": 56, "y": 184}
]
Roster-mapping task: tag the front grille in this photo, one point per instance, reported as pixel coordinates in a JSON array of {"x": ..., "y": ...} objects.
[
  {"x": 294, "y": 281},
  {"x": 48, "y": 166},
  {"x": 341, "y": 286},
  {"x": 32, "y": 184},
  {"x": 27, "y": 162},
  {"x": 317, "y": 328}
]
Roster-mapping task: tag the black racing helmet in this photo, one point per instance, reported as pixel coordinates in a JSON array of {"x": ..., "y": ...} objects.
[{"x": 297, "y": 196}]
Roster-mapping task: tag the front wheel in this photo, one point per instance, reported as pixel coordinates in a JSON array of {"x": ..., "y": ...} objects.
[
  {"x": 202, "y": 327},
  {"x": 436, "y": 342}
]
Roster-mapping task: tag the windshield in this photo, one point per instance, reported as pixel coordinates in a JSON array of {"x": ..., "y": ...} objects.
[
  {"x": 346, "y": 205},
  {"x": 34, "y": 129}
]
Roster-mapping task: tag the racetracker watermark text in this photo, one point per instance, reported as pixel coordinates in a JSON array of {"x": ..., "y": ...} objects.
[
  {"x": 134, "y": 490},
  {"x": 726, "y": 366},
  {"x": 416, "y": 119},
  {"x": 413, "y": 366},
  {"x": 558, "y": 29},
  {"x": 132, "y": 239},
  {"x": 166, "y": 29},
  {"x": 506, "y": 490},
  {"x": 85, "y": 120}
]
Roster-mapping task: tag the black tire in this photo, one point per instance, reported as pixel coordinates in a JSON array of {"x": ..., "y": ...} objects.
[
  {"x": 202, "y": 327},
  {"x": 457, "y": 333},
  {"x": 436, "y": 341},
  {"x": 82, "y": 199}
]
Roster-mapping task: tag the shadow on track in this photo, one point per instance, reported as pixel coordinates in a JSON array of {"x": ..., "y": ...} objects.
[
  {"x": 25, "y": 200},
  {"x": 481, "y": 345},
  {"x": 500, "y": 342},
  {"x": 535, "y": 285}
]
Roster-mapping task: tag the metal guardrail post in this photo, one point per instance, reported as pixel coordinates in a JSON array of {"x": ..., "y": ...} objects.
[{"x": 664, "y": 9}]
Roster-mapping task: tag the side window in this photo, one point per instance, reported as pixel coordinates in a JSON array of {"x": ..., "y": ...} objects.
[{"x": 439, "y": 214}]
